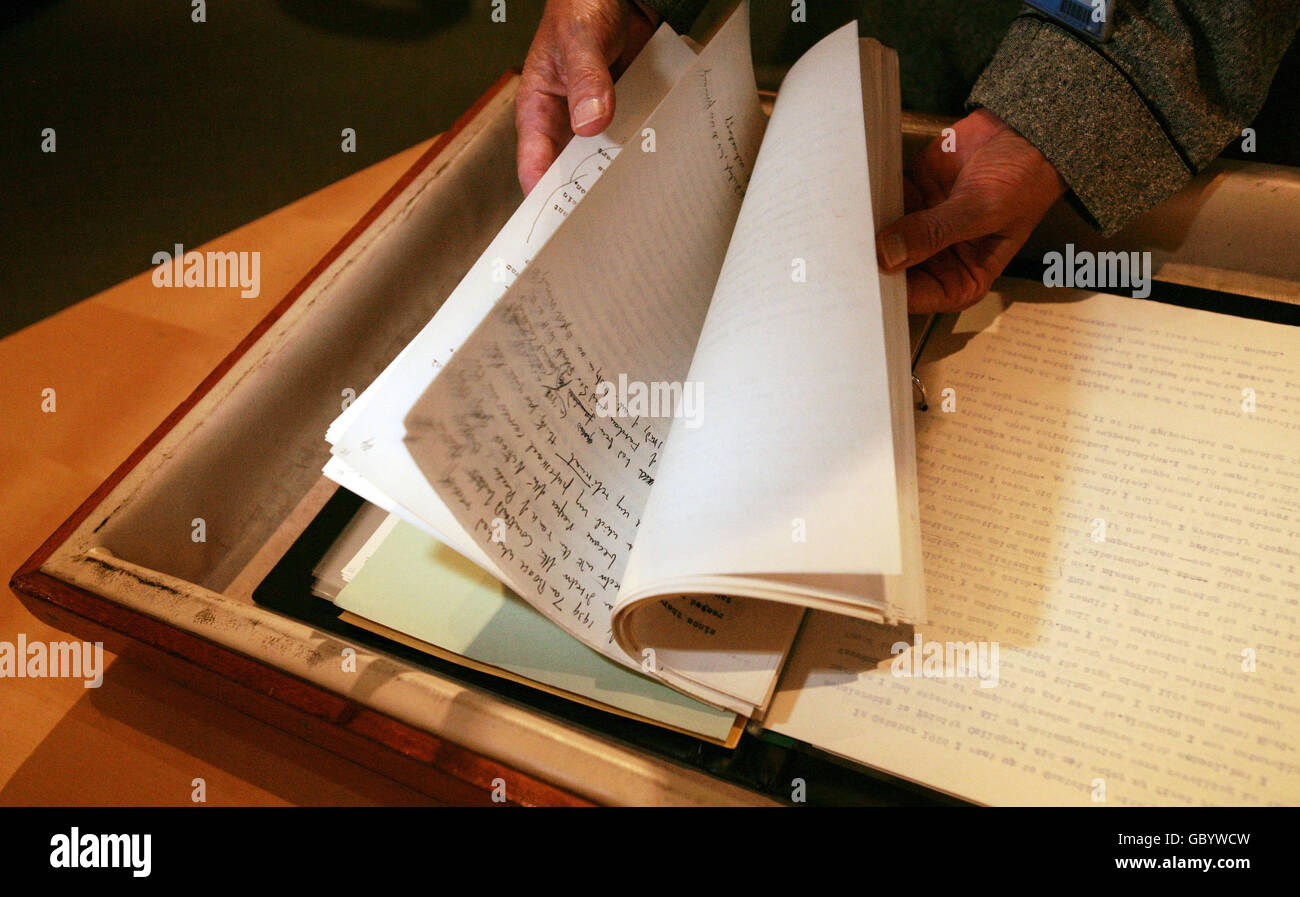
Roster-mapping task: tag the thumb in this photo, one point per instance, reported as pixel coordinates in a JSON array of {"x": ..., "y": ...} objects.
[
  {"x": 914, "y": 238},
  {"x": 588, "y": 82}
]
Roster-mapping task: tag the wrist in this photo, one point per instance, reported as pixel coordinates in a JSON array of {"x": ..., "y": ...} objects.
[{"x": 1045, "y": 176}]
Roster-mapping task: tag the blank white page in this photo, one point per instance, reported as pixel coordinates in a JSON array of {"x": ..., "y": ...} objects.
[{"x": 795, "y": 432}]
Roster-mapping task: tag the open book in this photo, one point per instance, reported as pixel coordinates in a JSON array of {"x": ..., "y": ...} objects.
[{"x": 670, "y": 404}]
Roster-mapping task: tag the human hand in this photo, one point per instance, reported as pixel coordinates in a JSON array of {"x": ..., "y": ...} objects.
[
  {"x": 969, "y": 212},
  {"x": 567, "y": 87}
]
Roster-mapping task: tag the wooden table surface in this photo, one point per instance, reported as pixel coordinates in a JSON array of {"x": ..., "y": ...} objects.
[{"x": 119, "y": 362}]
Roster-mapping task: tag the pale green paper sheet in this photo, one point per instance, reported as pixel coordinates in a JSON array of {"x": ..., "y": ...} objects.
[{"x": 418, "y": 586}]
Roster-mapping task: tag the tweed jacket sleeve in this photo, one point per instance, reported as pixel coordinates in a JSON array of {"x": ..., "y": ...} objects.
[{"x": 1129, "y": 120}]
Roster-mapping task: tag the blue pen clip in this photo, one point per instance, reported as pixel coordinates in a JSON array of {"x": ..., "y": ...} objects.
[{"x": 1091, "y": 18}]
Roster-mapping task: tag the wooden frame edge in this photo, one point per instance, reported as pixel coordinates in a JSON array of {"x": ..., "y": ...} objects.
[
  {"x": 423, "y": 761},
  {"x": 412, "y": 756},
  {"x": 75, "y": 519}
]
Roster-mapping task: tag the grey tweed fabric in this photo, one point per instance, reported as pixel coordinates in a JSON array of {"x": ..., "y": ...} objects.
[{"x": 1126, "y": 121}]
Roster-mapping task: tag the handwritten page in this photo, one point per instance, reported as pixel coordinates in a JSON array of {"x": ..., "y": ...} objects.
[
  {"x": 1115, "y": 503},
  {"x": 508, "y": 434},
  {"x": 369, "y": 456}
]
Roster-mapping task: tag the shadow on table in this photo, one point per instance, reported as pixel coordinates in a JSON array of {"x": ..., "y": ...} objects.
[{"x": 199, "y": 734}]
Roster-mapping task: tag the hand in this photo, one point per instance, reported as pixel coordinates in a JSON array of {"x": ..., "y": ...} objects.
[
  {"x": 566, "y": 87},
  {"x": 970, "y": 211}
]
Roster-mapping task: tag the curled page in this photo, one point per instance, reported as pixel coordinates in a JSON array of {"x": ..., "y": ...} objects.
[
  {"x": 794, "y": 487},
  {"x": 510, "y": 433},
  {"x": 369, "y": 454}
]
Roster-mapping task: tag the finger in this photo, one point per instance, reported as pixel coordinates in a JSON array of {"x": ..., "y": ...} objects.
[
  {"x": 932, "y": 173},
  {"x": 542, "y": 122},
  {"x": 925, "y": 295},
  {"x": 988, "y": 257},
  {"x": 918, "y": 236},
  {"x": 587, "y": 79},
  {"x": 913, "y": 199},
  {"x": 945, "y": 283},
  {"x": 541, "y": 114}
]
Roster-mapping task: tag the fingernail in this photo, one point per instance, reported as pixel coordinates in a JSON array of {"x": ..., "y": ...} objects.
[
  {"x": 893, "y": 249},
  {"x": 588, "y": 111}
]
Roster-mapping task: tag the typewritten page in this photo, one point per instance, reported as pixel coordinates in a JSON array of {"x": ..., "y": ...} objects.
[{"x": 1114, "y": 502}]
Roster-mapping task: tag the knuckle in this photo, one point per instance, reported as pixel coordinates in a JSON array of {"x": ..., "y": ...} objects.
[
  {"x": 972, "y": 290},
  {"x": 592, "y": 30},
  {"x": 969, "y": 211},
  {"x": 586, "y": 73},
  {"x": 934, "y": 230},
  {"x": 538, "y": 73}
]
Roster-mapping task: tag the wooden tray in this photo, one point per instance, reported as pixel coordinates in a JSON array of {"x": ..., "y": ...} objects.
[{"x": 244, "y": 453}]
